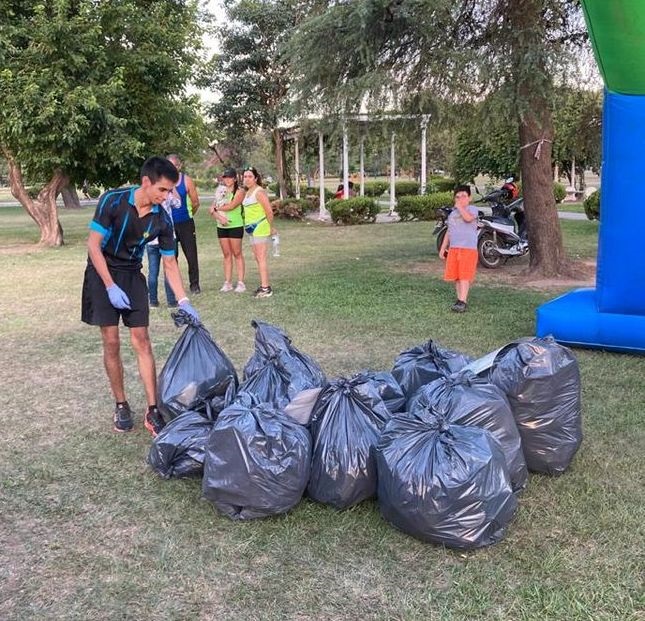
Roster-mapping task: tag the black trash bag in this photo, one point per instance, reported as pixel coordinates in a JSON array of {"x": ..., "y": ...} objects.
[
  {"x": 387, "y": 387},
  {"x": 466, "y": 399},
  {"x": 196, "y": 372},
  {"x": 541, "y": 379},
  {"x": 444, "y": 483},
  {"x": 278, "y": 371},
  {"x": 257, "y": 461},
  {"x": 346, "y": 423},
  {"x": 270, "y": 384},
  {"x": 179, "y": 449},
  {"x": 420, "y": 365}
]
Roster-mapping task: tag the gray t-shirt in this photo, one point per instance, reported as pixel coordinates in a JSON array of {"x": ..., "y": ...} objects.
[{"x": 462, "y": 234}]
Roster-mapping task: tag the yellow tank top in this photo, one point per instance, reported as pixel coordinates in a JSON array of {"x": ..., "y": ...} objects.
[{"x": 253, "y": 211}]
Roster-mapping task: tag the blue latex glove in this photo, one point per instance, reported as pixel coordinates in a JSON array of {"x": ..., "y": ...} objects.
[
  {"x": 118, "y": 297},
  {"x": 187, "y": 307}
]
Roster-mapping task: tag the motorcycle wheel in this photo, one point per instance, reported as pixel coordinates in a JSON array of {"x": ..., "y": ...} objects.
[
  {"x": 488, "y": 258},
  {"x": 440, "y": 240}
]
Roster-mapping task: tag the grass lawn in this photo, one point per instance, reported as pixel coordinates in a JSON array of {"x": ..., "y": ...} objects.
[
  {"x": 571, "y": 207},
  {"x": 87, "y": 531}
]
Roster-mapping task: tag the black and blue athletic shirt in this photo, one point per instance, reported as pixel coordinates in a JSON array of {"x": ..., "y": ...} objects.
[{"x": 125, "y": 234}]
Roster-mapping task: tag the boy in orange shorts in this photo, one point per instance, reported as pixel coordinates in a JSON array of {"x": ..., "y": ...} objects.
[{"x": 459, "y": 247}]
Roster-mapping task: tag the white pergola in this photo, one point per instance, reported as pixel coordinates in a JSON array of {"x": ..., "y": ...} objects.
[{"x": 293, "y": 133}]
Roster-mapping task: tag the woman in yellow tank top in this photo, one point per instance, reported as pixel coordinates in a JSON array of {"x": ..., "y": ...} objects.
[
  {"x": 227, "y": 211},
  {"x": 258, "y": 224}
]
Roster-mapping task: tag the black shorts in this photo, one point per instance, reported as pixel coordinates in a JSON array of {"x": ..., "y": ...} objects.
[
  {"x": 96, "y": 308},
  {"x": 236, "y": 232}
]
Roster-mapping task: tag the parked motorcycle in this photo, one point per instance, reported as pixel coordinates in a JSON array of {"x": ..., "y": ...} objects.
[{"x": 502, "y": 234}]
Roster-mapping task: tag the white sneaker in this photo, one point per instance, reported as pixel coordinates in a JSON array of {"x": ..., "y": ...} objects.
[
  {"x": 240, "y": 288},
  {"x": 227, "y": 286}
]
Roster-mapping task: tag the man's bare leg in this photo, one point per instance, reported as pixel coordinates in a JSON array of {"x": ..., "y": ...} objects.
[
  {"x": 143, "y": 350},
  {"x": 112, "y": 361}
]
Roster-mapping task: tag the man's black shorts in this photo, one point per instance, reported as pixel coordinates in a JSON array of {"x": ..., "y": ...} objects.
[
  {"x": 96, "y": 307},
  {"x": 237, "y": 232}
]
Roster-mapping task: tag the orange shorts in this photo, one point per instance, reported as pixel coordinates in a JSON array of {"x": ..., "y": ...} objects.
[{"x": 461, "y": 264}]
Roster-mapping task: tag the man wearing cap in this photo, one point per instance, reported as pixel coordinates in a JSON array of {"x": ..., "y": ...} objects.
[{"x": 227, "y": 211}]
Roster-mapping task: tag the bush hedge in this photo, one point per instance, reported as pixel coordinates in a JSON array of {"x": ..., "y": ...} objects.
[
  {"x": 358, "y": 210},
  {"x": 273, "y": 188},
  {"x": 442, "y": 184},
  {"x": 422, "y": 207},
  {"x": 293, "y": 208},
  {"x": 559, "y": 192},
  {"x": 592, "y": 206},
  {"x": 406, "y": 188},
  {"x": 375, "y": 188}
]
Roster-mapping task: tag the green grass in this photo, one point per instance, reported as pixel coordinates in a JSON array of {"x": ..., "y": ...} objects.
[
  {"x": 571, "y": 207},
  {"x": 87, "y": 531}
]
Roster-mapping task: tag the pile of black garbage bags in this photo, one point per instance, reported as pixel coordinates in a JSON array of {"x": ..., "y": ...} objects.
[{"x": 444, "y": 442}]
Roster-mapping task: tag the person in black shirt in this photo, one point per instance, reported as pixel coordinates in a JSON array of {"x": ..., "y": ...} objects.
[{"x": 114, "y": 288}]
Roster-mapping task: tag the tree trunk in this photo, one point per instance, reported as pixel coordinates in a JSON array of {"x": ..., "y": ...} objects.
[
  {"x": 70, "y": 197},
  {"x": 279, "y": 161},
  {"x": 547, "y": 256},
  {"x": 42, "y": 209},
  {"x": 545, "y": 237}
]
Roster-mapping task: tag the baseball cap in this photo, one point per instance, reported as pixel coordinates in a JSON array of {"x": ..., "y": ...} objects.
[{"x": 229, "y": 172}]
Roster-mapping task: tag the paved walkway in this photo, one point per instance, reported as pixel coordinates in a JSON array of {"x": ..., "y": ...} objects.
[{"x": 386, "y": 218}]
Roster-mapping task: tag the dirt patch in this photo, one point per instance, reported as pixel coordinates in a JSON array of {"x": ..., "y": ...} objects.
[
  {"x": 21, "y": 249},
  {"x": 516, "y": 274}
]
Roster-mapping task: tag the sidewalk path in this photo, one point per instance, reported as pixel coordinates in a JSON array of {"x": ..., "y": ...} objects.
[{"x": 385, "y": 218}]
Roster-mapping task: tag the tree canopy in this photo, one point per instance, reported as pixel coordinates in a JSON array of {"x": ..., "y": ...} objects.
[
  {"x": 251, "y": 74},
  {"x": 387, "y": 52},
  {"x": 88, "y": 90}
]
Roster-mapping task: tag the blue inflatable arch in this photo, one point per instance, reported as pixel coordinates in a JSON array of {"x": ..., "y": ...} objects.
[{"x": 612, "y": 315}]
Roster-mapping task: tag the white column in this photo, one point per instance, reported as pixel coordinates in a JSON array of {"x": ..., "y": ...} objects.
[
  {"x": 323, "y": 214},
  {"x": 573, "y": 173},
  {"x": 392, "y": 174},
  {"x": 362, "y": 165},
  {"x": 345, "y": 164},
  {"x": 297, "y": 163},
  {"x": 424, "y": 178}
]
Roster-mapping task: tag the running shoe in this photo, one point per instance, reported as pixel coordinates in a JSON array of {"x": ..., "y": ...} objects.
[
  {"x": 153, "y": 421},
  {"x": 263, "y": 292},
  {"x": 240, "y": 287},
  {"x": 123, "y": 419},
  {"x": 226, "y": 287}
]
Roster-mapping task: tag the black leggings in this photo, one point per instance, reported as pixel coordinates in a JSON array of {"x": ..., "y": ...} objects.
[{"x": 186, "y": 236}]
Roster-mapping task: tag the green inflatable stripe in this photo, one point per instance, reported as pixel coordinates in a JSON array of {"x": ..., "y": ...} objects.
[{"x": 617, "y": 31}]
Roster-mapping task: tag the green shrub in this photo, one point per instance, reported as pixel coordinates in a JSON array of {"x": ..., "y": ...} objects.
[
  {"x": 422, "y": 207},
  {"x": 358, "y": 210},
  {"x": 559, "y": 192},
  {"x": 375, "y": 188},
  {"x": 293, "y": 208},
  {"x": 315, "y": 191},
  {"x": 406, "y": 188},
  {"x": 442, "y": 184},
  {"x": 274, "y": 188},
  {"x": 592, "y": 206},
  {"x": 94, "y": 191}
]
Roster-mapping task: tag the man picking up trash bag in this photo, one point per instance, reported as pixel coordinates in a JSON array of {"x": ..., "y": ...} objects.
[{"x": 114, "y": 288}]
